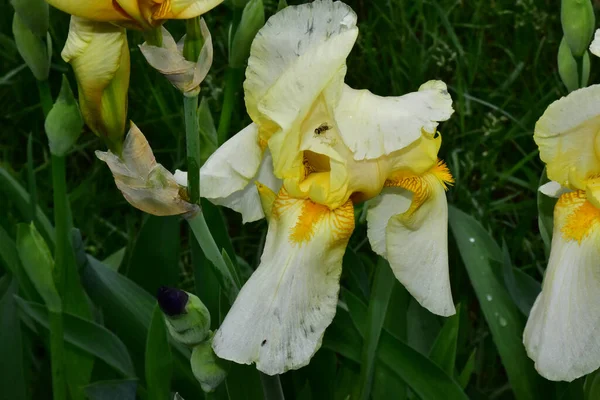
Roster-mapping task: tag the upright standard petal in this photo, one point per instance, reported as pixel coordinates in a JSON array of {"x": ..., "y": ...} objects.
[
  {"x": 562, "y": 334},
  {"x": 99, "y": 56},
  {"x": 568, "y": 135},
  {"x": 373, "y": 126},
  {"x": 416, "y": 238},
  {"x": 145, "y": 184},
  {"x": 228, "y": 176},
  {"x": 281, "y": 313}
]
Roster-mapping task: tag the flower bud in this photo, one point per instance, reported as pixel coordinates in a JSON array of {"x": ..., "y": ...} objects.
[
  {"x": 577, "y": 18},
  {"x": 35, "y": 51},
  {"x": 34, "y": 14},
  {"x": 64, "y": 122},
  {"x": 169, "y": 60},
  {"x": 99, "y": 56},
  {"x": 187, "y": 318},
  {"x": 207, "y": 367},
  {"x": 253, "y": 18},
  {"x": 568, "y": 68}
]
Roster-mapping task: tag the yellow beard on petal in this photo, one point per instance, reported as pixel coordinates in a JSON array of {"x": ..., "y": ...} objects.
[{"x": 582, "y": 216}]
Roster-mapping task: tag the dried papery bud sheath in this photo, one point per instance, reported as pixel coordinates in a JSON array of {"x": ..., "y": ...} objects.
[
  {"x": 187, "y": 318},
  {"x": 99, "y": 55},
  {"x": 34, "y": 49},
  {"x": 253, "y": 18},
  {"x": 146, "y": 184},
  {"x": 208, "y": 369},
  {"x": 577, "y": 18},
  {"x": 170, "y": 61},
  {"x": 64, "y": 122}
]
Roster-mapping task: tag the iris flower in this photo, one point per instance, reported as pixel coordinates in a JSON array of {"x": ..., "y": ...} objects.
[
  {"x": 562, "y": 334},
  {"x": 316, "y": 148}
]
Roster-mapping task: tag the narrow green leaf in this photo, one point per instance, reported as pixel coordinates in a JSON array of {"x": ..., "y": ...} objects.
[
  {"x": 155, "y": 258},
  {"x": 208, "y": 132},
  {"x": 467, "y": 372},
  {"x": 356, "y": 275},
  {"x": 38, "y": 264},
  {"x": 31, "y": 179},
  {"x": 111, "y": 390},
  {"x": 21, "y": 199},
  {"x": 591, "y": 387},
  {"x": 12, "y": 372},
  {"x": 383, "y": 284},
  {"x": 443, "y": 352},
  {"x": 477, "y": 249},
  {"x": 115, "y": 260},
  {"x": 545, "y": 213},
  {"x": 523, "y": 289},
  {"x": 342, "y": 337},
  {"x": 159, "y": 362},
  {"x": 10, "y": 257},
  {"x": 88, "y": 336}
]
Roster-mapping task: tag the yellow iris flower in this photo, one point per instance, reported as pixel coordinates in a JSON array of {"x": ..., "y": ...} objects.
[
  {"x": 562, "y": 332},
  {"x": 315, "y": 148},
  {"x": 98, "y": 51}
]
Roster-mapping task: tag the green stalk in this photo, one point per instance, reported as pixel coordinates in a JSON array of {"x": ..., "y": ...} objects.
[
  {"x": 233, "y": 77},
  {"x": 45, "y": 97},
  {"x": 154, "y": 36},
  {"x": 192, "y": 135},
  {"x": 271, "y": 387},
  {"x": 57, "y": 353}
]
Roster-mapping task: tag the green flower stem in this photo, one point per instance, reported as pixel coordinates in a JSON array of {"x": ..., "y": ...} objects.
[
  {"x": 233, "y": 79},
  {"x": 154, "y": 36},
  {"x": 192, "y": 135},
  {"x": 271, "y": 387},
  {"x": 57, "y": 353},
  {"x": 45, "y": 96}
]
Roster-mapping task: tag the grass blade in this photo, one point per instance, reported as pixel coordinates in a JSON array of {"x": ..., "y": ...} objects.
[
  {"x": 159, "y": 362},
  {"x": 443, "y": 352}
]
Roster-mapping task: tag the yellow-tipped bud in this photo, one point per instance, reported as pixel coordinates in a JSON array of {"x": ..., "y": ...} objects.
[
  {"x": 187, "y": 318},
  {"x": 99, "y": 56},
  {"x": 207, "y": 367},
  {"x": 577, "y": 18},
  {"x": 169, "y": 60}
]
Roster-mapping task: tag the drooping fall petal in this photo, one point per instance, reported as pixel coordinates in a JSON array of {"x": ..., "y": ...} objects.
[
  {"x": 281, "y": 313},
  {"x": 562, "y": 334}
]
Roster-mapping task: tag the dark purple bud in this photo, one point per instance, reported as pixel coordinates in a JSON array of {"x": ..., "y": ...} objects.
[{"x": 172, "y": 301}]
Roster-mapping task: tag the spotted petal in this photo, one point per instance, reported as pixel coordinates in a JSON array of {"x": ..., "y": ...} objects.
[{"x": 281, "y": 313}]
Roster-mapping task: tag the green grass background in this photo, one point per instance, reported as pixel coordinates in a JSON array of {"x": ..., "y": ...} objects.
[{"x": 497, "y": 57}]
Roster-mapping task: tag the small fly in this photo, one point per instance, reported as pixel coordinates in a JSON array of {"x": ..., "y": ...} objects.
[{"x": 322, "y": 128}]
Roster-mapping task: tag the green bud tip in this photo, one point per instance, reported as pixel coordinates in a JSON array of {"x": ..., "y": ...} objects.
[{"x": 172, "y": 301}]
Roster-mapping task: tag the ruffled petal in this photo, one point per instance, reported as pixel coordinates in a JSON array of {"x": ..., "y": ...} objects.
[
  {"x": 562, "y": 334},
  {"x": 281, "y": 313},
  {"x": 416, "y": 239},
  {"x": 227, "y": 178},
  {"x": 391, "y": 202},
  {"x": 145, "y": 184},
  {"x": 568, "y": 137},
  {"x": 373, "y": 126}
]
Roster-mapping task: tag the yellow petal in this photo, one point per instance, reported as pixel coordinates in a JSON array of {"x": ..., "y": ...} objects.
[
  {"x": 281, "y": 313},
  {"x": 96, "y": 10},
  {"x": 568, "y": 137},
  {"x": 99, "y": 56},
  {"x": 145, "y": 184},
  {"x": 562, "y": 334},
  {"x": 185, "y": 9}
]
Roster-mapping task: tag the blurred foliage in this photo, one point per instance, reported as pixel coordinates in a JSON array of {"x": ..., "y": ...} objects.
[{"x": 499, "y": 61}]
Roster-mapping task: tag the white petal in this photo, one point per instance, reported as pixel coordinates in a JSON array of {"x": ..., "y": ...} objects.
[
  {"x": 372, "y": 126},
  {"x": 227, "y": 178},
  {"x": 392, "y": 201},
  {"x": 562, "y": 334},
  {"x": 417, "y": 250},
  {"x": 553, "y": 189},
  {"x": 293, "y": 58},
  {"x": 595, "y": 46},
  {"x": 281, "y": 313},
  {"x": 568, "y": 137}
]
